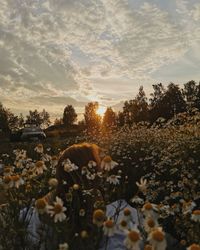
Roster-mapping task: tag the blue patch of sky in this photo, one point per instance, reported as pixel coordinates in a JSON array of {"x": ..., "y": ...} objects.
[
  {"x": 186, "y": 68},
  {"x": 79, "y": 57}
]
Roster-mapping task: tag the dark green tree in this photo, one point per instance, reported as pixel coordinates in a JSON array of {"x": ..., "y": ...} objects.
[
  {"x": 34, "y": 118},
  {"x": 69, "y": 115},
  {"x": 4, "y": 126},
  {"x": 169, "y": 103}
]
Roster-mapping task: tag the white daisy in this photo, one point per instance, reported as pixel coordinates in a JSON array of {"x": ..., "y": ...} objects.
[
  {"x": 39, "y": 148},
  {"x": 142, "y": 185},
  {"x": 113, "y": 179},
  {"x": 69, "y": 166},
  {"x": 157, "y": 239},
  {"x": 92, "y": 164},
  {"x": 57, "y": 210},
  {"x": 63, "y": 246},
  {"x": 196, "y": 215},
  {"x": 16, "y": 181},
  {"x": 41, "y": 206},
  {"x": 108, "y": 164},
  {"x": 132, "y": 240},
  {"x": 39, "y": 167},
  {"x": 109, "y": 228}
]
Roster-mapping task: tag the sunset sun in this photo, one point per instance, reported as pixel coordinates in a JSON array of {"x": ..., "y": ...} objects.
[{"x": 101, "y": 110}]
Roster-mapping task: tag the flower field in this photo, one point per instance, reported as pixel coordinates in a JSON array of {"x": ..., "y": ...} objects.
[{"x": 165, "y": 161}]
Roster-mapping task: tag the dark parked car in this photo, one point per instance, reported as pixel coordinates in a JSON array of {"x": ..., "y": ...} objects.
[{"x": 28, "y": 134}]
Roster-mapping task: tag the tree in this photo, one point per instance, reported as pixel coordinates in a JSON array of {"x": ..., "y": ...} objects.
[
  {"x": 136, "y": 110},
  {"x": 141, "y": 99},
  {"x": 69, "y": 115},
  {"x": 34, "y": 117},
  {"x": 4, "y": 127},
  {"x": 92, "y": 119},
  {"x": 38, "y": 118},
  {"x": 58, "y": 121},
  {"x": 120, "y": 119},
  {"x": 171, "y": 102},
  {"x": 109, "y": 118},
  {"x": 45, "y": 118}
]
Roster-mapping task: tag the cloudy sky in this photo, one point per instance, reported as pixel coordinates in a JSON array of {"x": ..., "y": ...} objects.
[{"x": 59, "y": 52}]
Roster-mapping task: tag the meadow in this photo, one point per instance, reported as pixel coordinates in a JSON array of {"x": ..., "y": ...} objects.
[{"x": 166, "y": 156}]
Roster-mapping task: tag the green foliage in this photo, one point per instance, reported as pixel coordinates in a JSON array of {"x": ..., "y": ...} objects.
[{"x": 69, "y": 115}]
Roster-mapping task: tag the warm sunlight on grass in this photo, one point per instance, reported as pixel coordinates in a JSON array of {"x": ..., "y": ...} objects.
[{"x": 101, "y": 110}]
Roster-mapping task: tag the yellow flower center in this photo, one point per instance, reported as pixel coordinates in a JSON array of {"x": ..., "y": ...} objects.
[
  {"x": 196, "y": 212},
  {"x": 123, "y": 223},
  {"x": 109, "y": 224},
  {"x": 58, "y": 208},
  {"x": 99, "y": 215},
  {"x": 158, "y": 235},
  {"x": 107, "y": 159},
  {"x": 39, "y": 164},
  {"x": 133, "y": 236},
  {"x": 195, "y": 247},
  {"x": 127, "y": 212},
  {"x": 151, "y": 223},
  {"x": 148, "y": 206},
  {"x": 40, "y": 203}
]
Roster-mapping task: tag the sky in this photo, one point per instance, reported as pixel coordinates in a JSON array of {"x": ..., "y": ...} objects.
[{"x": 59, "y": 52}]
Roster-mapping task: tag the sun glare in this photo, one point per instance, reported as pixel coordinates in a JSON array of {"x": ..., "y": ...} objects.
[{"x": 101, "y": 110}]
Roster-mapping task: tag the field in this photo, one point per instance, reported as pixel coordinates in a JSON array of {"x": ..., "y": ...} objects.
[{"x": 166, "y": 155}]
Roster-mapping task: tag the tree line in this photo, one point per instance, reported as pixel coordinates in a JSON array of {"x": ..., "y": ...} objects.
[{"x": 164, "y": 102}]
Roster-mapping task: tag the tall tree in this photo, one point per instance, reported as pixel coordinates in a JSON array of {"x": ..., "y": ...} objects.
[
  {"x": 92, "y": 119},
  {"x": 136, "y": 110},
  {"x": 170, "y": 103},
  {"x": 69, "y": 115},
  {"x": 34, "y": 117},
  {"x": 45, "y": 118},
  {"x": 109, "y": 118},
  {"x": 4, "y": 126}
]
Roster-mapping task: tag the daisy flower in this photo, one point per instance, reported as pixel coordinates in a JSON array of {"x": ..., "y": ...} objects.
[
  {"x": 39, "y": 148},
  {"x": 142, "y": 185},
  {"x": 63, "y": 246},
  {"x": 196, "y": 215},
  {"x": 98, "y": 217},
  {"x": 16, "y": 181},
  {"x": 54, "y": 161},
  {"x": 57, "y": 210},
  {"x": 69, "y": 166},
  {"x": 41, "y": 206},
  {"x": 132, "y": 240},
  {"x": 123, "y": 226},
  {"x": 113, "y": 179},
  {"x": 157, "y": 239},
  {"x": 147, "y": 209},
  {"x": 150, "y": 224},
  {"x": 194, "y": 247},
  {"x": 53, "y": 182},
  {"x": 108, "y": 164},
  {"x": 92, "y": 164},
  {"x": 39, "y": 167},
  {"x": 109, "y": 228}
]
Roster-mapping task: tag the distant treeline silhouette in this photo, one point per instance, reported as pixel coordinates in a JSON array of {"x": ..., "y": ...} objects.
[{"x": 164, "y": 102}]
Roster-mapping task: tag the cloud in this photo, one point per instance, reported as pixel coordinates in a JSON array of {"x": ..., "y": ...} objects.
[{"x": 55, "y": 48}]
